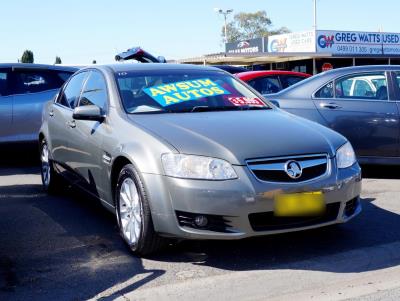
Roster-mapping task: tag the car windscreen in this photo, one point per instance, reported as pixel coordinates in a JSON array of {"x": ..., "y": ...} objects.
[{"x": 177, "y": 91}]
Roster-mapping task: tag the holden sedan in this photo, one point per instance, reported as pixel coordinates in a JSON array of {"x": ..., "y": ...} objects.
[
  {"x": 361, "y": 103},
  {"x": 179, "y": 151}
]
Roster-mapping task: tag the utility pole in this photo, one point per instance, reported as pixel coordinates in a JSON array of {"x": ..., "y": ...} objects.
[
  {"x": 225, "y": 13},
  {"x": 315, "y": 15}
]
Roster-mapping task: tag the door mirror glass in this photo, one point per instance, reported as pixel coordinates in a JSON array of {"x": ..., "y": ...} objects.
[{"x": 90, "y": 112}]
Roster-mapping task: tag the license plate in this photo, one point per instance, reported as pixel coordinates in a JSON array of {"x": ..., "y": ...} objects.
[{"x": 299, "y": 204}]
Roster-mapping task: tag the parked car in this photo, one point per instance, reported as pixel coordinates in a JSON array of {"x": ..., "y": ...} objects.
[
  {"x": 361, "y": 103},
  {"x": 271, "y": 81},
  {"x": 24, "y": 88},
  {"x": 231, "y": 69},
  {"x": 189, "y": 152}
]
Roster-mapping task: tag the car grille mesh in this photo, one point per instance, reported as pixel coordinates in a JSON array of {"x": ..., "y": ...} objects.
[
  {"x": 267, "y": 221},
  {"x": 273, "y": 169}
]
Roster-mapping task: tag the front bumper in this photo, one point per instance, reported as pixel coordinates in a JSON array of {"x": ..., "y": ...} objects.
[{"x": 235, "y": 206}]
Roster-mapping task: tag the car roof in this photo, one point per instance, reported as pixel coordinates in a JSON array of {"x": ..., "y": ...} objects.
[
  {"x": 154, "y": 67},
  {"x": 38, "y": 67},
  {"x": 311, "y": 84},
  {"x": 254, "y": 74},
  {"x": 353, "y": 69}
]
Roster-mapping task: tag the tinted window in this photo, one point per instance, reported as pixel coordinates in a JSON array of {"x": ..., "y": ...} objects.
[
  {"x": 95, "y": 91},
  {"x": 3, "y": 83},
  {"x": 266, "y": 85},
  {"x": 326, "y": 91},
  {"x": 64, "y": 76},
  {"x": 159, "y": 91},
  {"x": 363, "y": 86},
  {"x": 288, "y": 80},
  {"x": 36, "y": 81},
  {"x": 72, "y": 90}
]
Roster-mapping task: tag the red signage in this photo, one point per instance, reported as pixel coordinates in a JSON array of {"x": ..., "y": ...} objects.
[
  {"x": 327, "y": 66},
  {"x": 245, "y": 101}
]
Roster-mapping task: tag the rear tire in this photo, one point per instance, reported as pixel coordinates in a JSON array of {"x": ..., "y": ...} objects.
[
  {"x": 51, "y": 180},
  {"x": 134, "y": 214}
]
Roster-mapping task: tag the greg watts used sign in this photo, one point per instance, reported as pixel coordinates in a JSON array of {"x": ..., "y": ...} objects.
[{"x": 363, "y": 43}]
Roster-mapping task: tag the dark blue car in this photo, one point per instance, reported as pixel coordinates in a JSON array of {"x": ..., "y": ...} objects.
[{"x": 362, "y": 103}]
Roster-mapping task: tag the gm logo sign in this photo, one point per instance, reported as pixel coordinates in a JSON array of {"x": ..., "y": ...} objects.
[{"x": 326, "y": 41}]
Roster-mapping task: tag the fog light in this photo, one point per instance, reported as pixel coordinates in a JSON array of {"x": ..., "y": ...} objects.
[{"x": 201, "y": 221}]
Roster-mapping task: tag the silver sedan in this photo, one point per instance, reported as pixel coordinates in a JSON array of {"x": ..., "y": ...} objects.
[
  {"x": 188, "y": 152},
  {"x": 24, "y": 89}
]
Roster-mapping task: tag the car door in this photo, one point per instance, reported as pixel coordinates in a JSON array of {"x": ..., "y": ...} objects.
[
  {"x": 395, "y": 76},
  {"x": 32, "y": 88},
  {"x": 86, "y": 137},
  {"x": 60, "y": 116},
  {"x": 360, "y": 107},
  {"x": 6, "y": 101}
]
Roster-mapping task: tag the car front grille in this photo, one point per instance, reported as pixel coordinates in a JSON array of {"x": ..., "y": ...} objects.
[
  {"x": 267, "y": 221},
  {"x": 275, "y": 169},
  {"x": 351, "y": 207}
]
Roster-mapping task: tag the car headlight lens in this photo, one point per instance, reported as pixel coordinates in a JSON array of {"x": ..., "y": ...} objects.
[
  {"x": 345, "y": 156},
  {"x": 197, "y": 167}
]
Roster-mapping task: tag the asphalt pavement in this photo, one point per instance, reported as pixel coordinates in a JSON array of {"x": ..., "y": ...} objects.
[{"x": 67, "y": 247}]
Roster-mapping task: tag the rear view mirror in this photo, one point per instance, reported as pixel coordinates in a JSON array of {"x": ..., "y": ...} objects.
[{"x": 90, "y": 112}]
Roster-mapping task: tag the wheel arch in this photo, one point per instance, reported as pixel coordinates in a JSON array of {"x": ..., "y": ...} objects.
[{"x": 117, "y": 166}]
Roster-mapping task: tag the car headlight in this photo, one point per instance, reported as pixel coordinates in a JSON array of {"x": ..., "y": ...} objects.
[
  {"x": 197, "y": 167},
  {"x": 345, "y": 156}
]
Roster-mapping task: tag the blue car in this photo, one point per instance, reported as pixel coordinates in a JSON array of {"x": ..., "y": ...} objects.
[{"x": 362, "y": 103}]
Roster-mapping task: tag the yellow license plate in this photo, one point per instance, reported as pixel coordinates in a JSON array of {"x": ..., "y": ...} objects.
[{"x": 299, "y": 204}]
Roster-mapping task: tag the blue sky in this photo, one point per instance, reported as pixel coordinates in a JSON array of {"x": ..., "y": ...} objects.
[{"x": 80, "y": 31}]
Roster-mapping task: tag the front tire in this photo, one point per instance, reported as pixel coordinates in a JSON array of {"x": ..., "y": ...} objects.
[
  {"x": 51, "y": 180},
  {"x": 134, "y": 215}
]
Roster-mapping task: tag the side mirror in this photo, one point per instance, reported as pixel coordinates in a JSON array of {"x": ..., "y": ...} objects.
[{"x": 90, "y": 112}]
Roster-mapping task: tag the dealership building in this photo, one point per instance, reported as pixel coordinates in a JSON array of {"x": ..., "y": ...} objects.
[{"x": 309, "y": 51}]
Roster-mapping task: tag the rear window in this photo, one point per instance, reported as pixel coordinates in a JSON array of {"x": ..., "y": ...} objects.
[
  {"x": 184, "y": 91},
  {"x": 289, "y": 80}
]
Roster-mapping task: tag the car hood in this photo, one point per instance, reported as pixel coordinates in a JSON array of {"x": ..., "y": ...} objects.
[{"x": 240, "y": 135}]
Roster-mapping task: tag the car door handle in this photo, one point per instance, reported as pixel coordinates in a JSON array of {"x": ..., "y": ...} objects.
[
  {"x": 71, "y": 124},
  {"x": 330, "y": 105},
  {"x": 51, "y": 113}
]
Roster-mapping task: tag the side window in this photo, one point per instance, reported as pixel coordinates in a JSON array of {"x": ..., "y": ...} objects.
[
  {"x": 398, "y": 79},
  {"x": 35, "y": 81},
  {"x": 371, "y": 86},
  {"x": 326, "y": 91},
  {"x": 3, "y": 83},
  {"x": 95, "y": 91},
  {"x": 72, "y": 90},
  {"x": 266, "y": 85},
  {"x": 63, "y": 76},
  {"x": 288, "y": 80}
]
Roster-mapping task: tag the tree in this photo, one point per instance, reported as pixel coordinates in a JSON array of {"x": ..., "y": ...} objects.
[
  {"x": 27, "y": 57},
  {"x": 94, "y": 62},
  {"x": 247, "y": 26},
  {"x": 58, "y": 60}
]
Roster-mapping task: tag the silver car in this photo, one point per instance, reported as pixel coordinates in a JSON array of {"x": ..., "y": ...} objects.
[
  {"x": 24, "y": 89},
  {"x": 179, "y": 151}
]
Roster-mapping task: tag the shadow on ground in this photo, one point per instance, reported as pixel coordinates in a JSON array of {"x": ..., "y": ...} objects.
[{"x": 68, "y": 247}]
